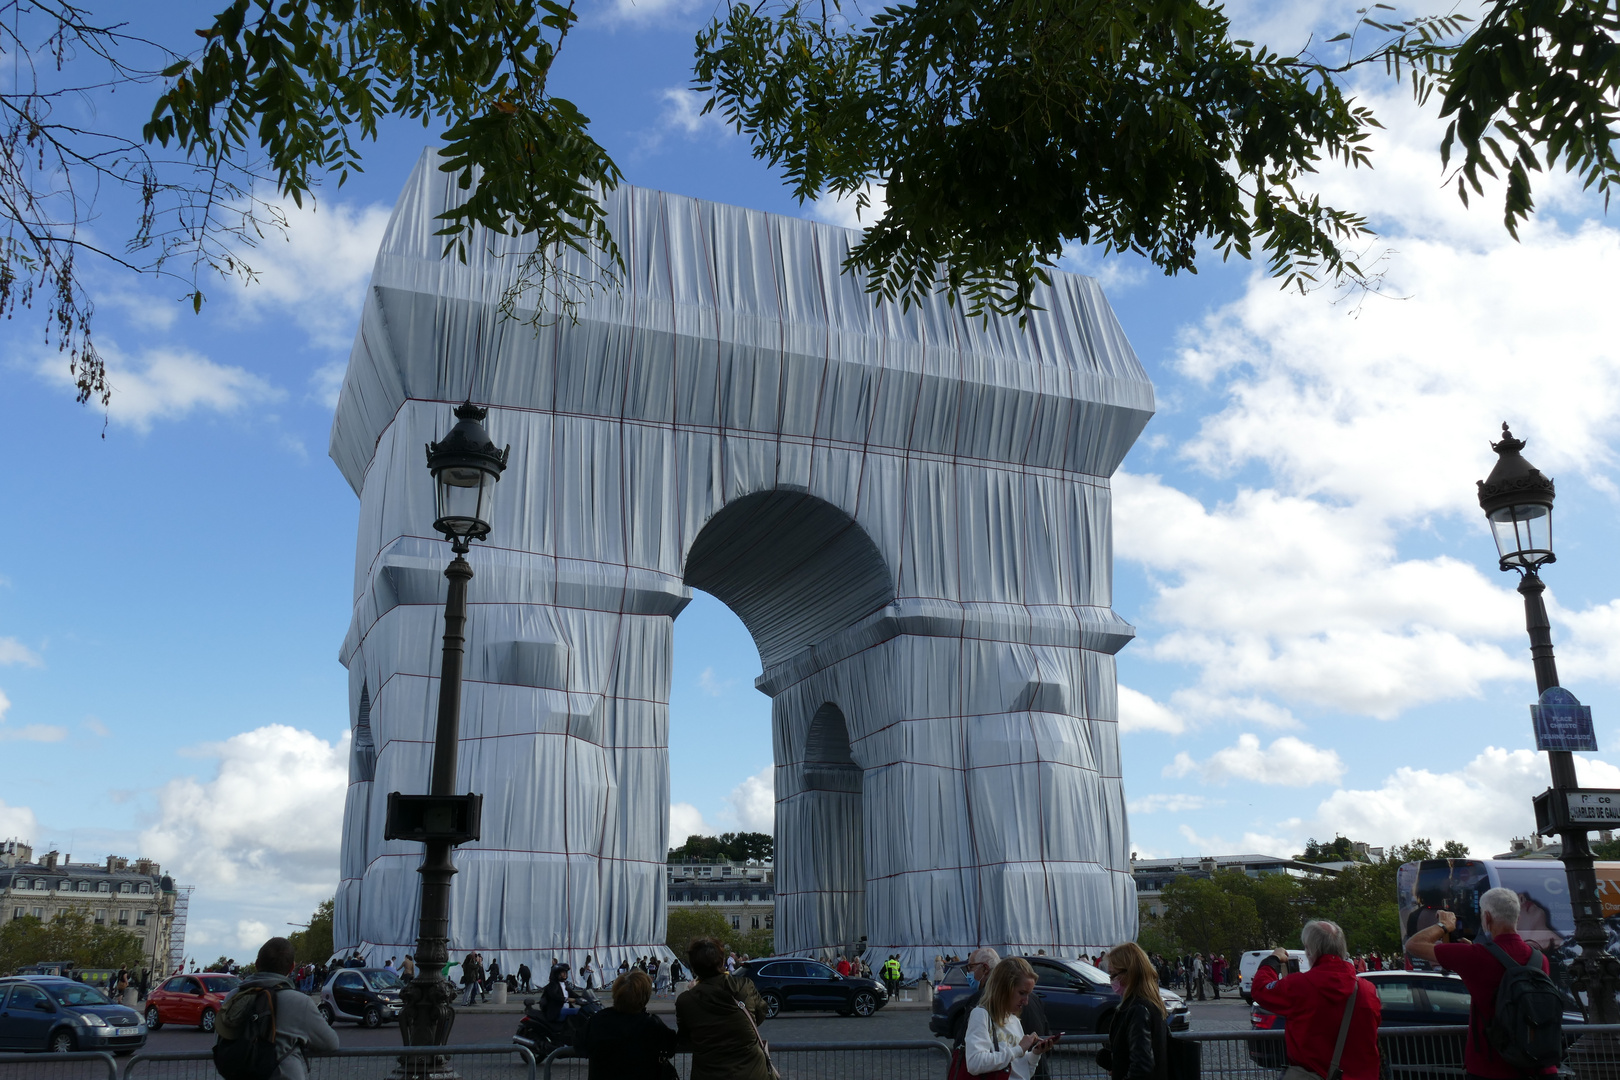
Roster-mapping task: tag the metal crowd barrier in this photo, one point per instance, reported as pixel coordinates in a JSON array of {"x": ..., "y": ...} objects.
[
  {"x": 82, "y": 1065},
  {"x": 1405, "y": 1053},
  {"x": 918, "y": 1059},
  {"x": 481, "y": 1061}
]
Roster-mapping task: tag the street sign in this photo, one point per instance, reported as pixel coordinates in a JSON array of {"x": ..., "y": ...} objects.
[
  {"x": 1591, "y": 807},
  {"x": 1561, "y": 722},
  {"x": 1578, "y": 809}
]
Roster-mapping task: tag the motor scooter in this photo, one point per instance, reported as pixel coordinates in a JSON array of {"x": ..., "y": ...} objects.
[{"x": 544, "y": 1037}]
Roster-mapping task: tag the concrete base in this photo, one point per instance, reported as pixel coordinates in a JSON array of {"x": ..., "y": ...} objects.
[
  {"x": 130, "y": 998},
  {"x": 497, "y": 994}
]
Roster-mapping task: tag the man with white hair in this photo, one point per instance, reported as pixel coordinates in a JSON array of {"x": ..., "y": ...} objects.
[
  {"x": 1033, "y": 1019},
  {"x": 1482, "y": 971},
  {"x": 1332, "y": 1015}
]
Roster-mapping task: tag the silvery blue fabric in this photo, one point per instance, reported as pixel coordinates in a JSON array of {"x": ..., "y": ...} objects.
[{"x": 909, "y": 509}]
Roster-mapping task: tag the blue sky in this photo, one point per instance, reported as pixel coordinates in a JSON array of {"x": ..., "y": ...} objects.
[{"x": 1324, "y": 641}]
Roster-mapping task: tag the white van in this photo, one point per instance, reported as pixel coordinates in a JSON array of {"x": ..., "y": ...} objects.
[{"x": 1250, "y": 962}]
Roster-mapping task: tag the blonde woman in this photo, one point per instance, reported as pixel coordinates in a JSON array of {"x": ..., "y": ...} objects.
[
  {"x": 996, "y": 1042},
  {"x": 1138, "y": 1037}
]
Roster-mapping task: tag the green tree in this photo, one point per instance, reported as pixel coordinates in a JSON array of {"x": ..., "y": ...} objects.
[
  {"x": 686, "y": 925},
  {"x": 70, "y": 936},
  {"x": 1212, "y": 915},
  {"x": 733, "y": 846},
  {"x": 313, "y": 944}
]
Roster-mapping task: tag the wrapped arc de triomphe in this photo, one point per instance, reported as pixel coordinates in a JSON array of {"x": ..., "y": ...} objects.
[{"x": 909, "y": 510}]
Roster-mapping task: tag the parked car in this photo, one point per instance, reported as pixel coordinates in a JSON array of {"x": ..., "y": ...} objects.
[
  {"x": 47, "y": 1012},
  {"x": 194, "y": 1000},
  {"x": 1408, "y": 999},
  {"x": 368, "y": 996},
  {"x": 788, "y": 983},
  {"x": 1077, "y": 997}
]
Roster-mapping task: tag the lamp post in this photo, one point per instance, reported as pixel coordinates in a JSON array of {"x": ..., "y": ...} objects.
[
  {"x": 1518, "y": 503},
  {"x": 465, "y": 466}
]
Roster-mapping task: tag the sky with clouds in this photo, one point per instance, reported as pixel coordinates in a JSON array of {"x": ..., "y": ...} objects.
[{"x": 1324, "y": 643}]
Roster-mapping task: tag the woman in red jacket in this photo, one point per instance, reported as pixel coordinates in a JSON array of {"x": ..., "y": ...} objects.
[{"x": 1313, "y": 1002}]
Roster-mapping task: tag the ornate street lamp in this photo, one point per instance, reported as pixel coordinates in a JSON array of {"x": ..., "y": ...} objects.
[
  {"x": 1518, "y": 502},
  {"x": 465, "y": 466}
]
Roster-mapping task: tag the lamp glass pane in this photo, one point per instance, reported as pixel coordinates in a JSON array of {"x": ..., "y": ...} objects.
[
  {"x": 1523, "y": 534},
  {"x": 463, "y": 498}
]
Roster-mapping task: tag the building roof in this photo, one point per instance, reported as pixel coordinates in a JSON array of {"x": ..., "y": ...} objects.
[{"x": 1194, "y": 863}]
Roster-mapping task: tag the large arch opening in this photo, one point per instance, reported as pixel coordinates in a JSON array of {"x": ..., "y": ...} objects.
[
  {"x": 797, "y": 570},
  {"x": 793, "y": 567}
]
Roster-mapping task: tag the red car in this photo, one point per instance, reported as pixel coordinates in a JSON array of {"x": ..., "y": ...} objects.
[{"x": 189, "y": 999}]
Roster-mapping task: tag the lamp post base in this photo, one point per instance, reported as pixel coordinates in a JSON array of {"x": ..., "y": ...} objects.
[{"x": 425, "y": 1021}]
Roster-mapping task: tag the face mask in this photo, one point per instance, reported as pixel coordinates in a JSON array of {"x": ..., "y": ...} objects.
[
  {"x": 1118, "y": 984},
  {"x": 973, "y": 980}
]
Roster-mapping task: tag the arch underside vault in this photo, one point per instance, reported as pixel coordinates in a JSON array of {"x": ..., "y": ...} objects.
[{"x": 908, "y": 510}]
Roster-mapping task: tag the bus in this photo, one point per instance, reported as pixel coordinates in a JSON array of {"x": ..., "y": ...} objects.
[{"x": 1546, "y": 919}]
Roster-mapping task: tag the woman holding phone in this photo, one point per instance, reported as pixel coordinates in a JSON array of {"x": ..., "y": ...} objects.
[
  {"x": 996, "y": 1044},
  {"x": 1138, "y": 1038}
]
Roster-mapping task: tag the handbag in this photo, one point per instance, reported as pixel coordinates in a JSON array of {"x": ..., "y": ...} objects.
[
  {"x": 957, "y": 1070},
  {"x": 1299, "y": 1072},
  {"x": 764, "y": 1047}
]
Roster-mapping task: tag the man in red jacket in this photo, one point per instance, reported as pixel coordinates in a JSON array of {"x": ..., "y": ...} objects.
[
  {"x": 1481, "y": 972},
  {"x": 1313, "y": 1002}
]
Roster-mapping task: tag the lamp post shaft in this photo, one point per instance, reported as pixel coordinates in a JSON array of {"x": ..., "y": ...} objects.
[
  {"x": 428, "y": 1015},
  {"x": 1594, "y": 970}
]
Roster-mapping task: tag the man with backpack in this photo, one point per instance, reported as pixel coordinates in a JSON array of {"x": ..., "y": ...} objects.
[
  {"x": 1515, "y": 1013},
  {"x": 268, "y": 1023}
]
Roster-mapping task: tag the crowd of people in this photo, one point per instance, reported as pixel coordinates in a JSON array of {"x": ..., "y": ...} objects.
[{"x": 1332, "y": 1015}]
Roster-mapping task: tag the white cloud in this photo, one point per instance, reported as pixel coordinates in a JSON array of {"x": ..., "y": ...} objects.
[
  {"x": 1484, "y": 804},
  {"x": 96, "y": 727},
  {"x": 251, "y": 933},
  {"x": 683, "y": 109},
  {"x": 753, "y": 802},
  {"x": 1288, "y": 761},
  {"x": 686, "y": 820},
  {"x": 1252, "y": 843},
  {"x": 13, "y": 651},
  {"x": 168, "y": 384},
  {"x": 1138, "y": 712},
  {"x": 644, "y": 11},
  {"x": 1169, "y": 802},
  {"x": 46, "y": 733},
  {"x": 317, "y": 272},
  {"x": 845, "y": 210},
  {"x": 18, "y": 823},
  {"x": 712, "y": 685},
  {"x": 265, "y": 829}
]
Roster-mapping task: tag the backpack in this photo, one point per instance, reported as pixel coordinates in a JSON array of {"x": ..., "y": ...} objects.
[
  {"x": 1528, "y": 1028},
  {"x": 249, "y": 1054}
]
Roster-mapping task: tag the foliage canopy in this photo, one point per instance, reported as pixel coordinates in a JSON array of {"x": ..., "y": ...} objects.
[
  {"x": 735, "y": 846},
  {"x": 70, "y": 936}
]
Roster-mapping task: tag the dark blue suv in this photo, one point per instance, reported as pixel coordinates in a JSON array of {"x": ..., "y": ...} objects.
[
  {"x": 1076, "y": 996},
  {"x": 791, "y": 983},
  {"x": 48, "y": 1012}
]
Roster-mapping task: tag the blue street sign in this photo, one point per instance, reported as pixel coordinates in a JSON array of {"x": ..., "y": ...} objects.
[{"x": 1561, "y": 722}]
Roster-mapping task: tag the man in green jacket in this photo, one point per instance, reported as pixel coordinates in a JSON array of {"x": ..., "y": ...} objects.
[{"x": 718, "y": 1019}]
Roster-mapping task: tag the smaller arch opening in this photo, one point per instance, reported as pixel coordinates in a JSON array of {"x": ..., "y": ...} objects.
[
  {"x": 363, "y": 756},
  {"x": 829, "y": 764}
]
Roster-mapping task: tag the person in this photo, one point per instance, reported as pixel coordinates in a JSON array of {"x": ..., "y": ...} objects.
[
  {"x": 1198, "y": 973},
  {"x": 524, "y": 975},
  {"x": 1138, "y": 1037},
  {"x": 624, "y": 967},
  {"x": 390, "y": 965},
  {"x": 937, "y": 975},
  {"x": 1314, "y": 1001},
  {"x": 407, "y": 968},
  {"x": 891, "y": 974},
  {"x": 555, "y": 997},
  {"x": 1481, "y": 972},
  {"x": 676, "y": 975},
  {"x": 996, "y": 1040},
  {"x": 494, "y": 971},
  {"x": 472, "y": 974},
  {"x": 299, "y": 1025},
  {"x": 843, "y": 966},
  {"x": 626, "y": 1042},
  {"x": 718, "y": 1017},
  {"x": 587, "y": 971}
]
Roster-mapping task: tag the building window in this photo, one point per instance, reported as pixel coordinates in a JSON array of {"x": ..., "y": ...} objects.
[
  {"x": 705, "y": 898},
  {"x": 101, "y": 916},
  {"x": 39, "y": 913},
  {"x": 104, "y": 887},
  {"x": 754, "y": 897},
  {"x": 66, "y": 886},
  {"x": 769, "y": 922},
  {"x": 756, "y": 922},
  {"x": 125, "y": 887},
  {"x": 39, "y": 883},
  {"x": 736, "y": 922},
  {"x": 84, "y": 886},
  {"x": 16, "y": 913},
  {"x": 140, "y": 918},
  {"x": 123, "y": 917},
  {"x": 146, "y": 890}
]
